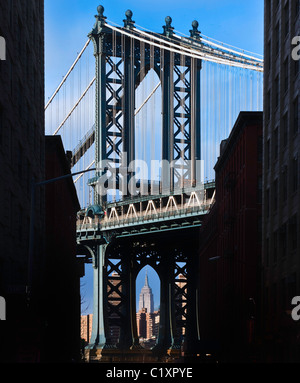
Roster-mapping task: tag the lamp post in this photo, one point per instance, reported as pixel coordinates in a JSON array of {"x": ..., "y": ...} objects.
[{"x": 34, "y": 185}]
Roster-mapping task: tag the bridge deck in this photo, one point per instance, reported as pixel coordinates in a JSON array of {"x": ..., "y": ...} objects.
[{"x": 148, "y": 213}]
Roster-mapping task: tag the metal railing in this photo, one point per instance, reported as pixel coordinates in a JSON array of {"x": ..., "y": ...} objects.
[{"x": 88, "y": 223}]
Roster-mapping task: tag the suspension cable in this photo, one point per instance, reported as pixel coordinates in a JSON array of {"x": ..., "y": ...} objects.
[
  {"x": 189, "y": 51},
  {"x": 68, "y": 73}
]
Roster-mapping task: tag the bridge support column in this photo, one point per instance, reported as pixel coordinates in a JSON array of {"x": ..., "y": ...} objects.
[
  {"x": 166, "y": 312},
  {"x": 128, "y": 133},
  {"x": 195, "y": 118},
  {"x": 192, "y": 335},
  {"x": 98, "y": 36},
  {"x": 98, "y": 338},
  {"x": 128, "y": 333},
  {"x": 167, "y": 120}
]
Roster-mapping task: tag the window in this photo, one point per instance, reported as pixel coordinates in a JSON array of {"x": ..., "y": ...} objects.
[
  {"x": 275, "y": 195},
  {"x": 269, "y": 11},
  {"x": 275, "y": 143},
  {"x": 10, "y": 13},
  {"x": 285, "y": 129},
  {"x": 267, "y": 252},
  {"x": 295, "y": 174},
  {"x": 293, "y": 232},
  {"x": 268, "y": 155},
  {"x": 277, "y": 39},
  {"x": 266, "y": 302},
  {"x": 295, "y": 108},
  {"x": 275, "y": 245},
  {"x": 20, "y": 161},
  {"x": 259, "y": 229},
  {"x": 1, "y": 124},
  {"x": 259, "y": 148},
  {"x": 286, "y": 18},
  {"x": 292, "y": 286},
  {"x": 283, "y": 240},
  {"x": 269, "y": 55},
  {"x": 20, "y": 39},
  {"x": 28, "y": 176},
  {"x": 268, "y": 106},
  {"x": 259, "y": 189},
  {"x": 20, "y": 223},
  {"x": 296, "y": 67},
  {"x": 286, "y": 74},
  {"x": 284, "y": 184},
  {"x": 283, "y": 294},
  {"x": 274, "y": 297},
  {"x": 276, "y": 92},
  {"x": 267, "y": 203}
]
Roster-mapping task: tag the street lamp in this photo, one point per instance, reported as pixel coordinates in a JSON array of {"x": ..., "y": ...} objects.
[{"x": 34, "y": 185}]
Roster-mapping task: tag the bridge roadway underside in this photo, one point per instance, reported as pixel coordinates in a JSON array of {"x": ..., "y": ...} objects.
[{"x": 118, "y": 255}]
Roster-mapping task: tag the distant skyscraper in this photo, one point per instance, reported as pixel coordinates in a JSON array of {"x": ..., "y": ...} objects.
[{"x": 146, "y": 297}]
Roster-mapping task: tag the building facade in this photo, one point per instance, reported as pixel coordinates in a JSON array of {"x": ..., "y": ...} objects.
[
  {"x": 86, "y": 328},
  {"x": 21, "y": 157},
  {"x": 146, "y": 318},
  {"x": 230, "y": 253},
  {"x": 146, "y": 297},
  {"x": 281, "y": 186},
  {"x": 60, "y": 272}
]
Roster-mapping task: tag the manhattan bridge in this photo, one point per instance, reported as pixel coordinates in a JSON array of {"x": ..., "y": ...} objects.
[{"x": 142, "y": 115}]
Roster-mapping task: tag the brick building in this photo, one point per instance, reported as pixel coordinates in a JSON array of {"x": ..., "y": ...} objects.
[
  {"x": 230, "y": 253},
  {"x": 281, "y": 187},
  {"x": 147, "y": 327},
  {"x": 86, "y": 327},
  {"x": 61, "y": 272}
]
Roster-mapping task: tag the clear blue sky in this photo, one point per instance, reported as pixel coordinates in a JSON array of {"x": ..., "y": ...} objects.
[{"x": 67, "y": 23}]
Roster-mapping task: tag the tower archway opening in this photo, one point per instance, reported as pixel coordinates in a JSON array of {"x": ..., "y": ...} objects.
[{"x": 147, "y": 306}]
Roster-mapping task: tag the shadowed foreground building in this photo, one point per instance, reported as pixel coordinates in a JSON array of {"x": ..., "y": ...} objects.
[
  {"x": 61, "y": 273},
  {"x": 230, "y": 253},
  {"x": 21, "y": 160},
  {"x": 281, "y": 184}
]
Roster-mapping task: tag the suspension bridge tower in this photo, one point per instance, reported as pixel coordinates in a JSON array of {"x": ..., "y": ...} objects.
[
  {"x": 153, "y": 221},
  {"x": 166, "y": 239}
]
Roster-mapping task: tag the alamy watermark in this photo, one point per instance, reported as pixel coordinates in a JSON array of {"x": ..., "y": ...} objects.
[
  {"x": 138, "y": 176},
  {"x": 2, "y": 48},
  {"x": 296, "y": 50},
  {"x": 2, "y": 309},
  {"x": 296, "y": 310}
]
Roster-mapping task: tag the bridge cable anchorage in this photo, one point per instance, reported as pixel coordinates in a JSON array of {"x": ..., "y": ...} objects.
[
  {"x": 68, "y": 73},
  {"x": 187, "y": 50}
]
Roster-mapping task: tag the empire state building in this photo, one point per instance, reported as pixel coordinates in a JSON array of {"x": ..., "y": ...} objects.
[{"x": 146, "y": 297}]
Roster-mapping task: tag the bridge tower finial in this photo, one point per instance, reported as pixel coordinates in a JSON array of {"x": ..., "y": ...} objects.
[
  {"x": 195, "y": 33},
  {"x": 168, "y": 29},
  {"x": 128, "y": 23},
  {"x": 100, "y": 17}
]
